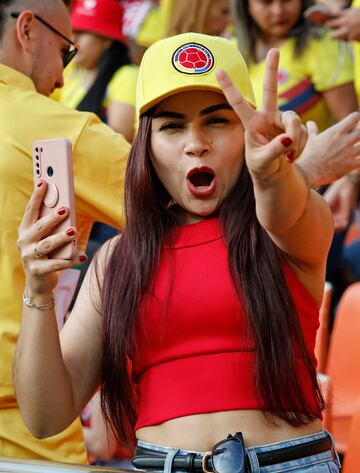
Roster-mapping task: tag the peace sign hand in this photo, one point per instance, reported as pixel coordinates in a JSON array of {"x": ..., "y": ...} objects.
[{"x": 271, "y": 137}]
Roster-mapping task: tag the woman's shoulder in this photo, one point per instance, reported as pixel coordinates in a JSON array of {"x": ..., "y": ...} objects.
[
  {"x": 102, "y": 258},
  {"x": 106, "y": 251},
  {"x": 122, "y": 86}
]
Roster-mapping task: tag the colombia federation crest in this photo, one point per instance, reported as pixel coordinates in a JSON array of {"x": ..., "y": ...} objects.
[{"x": 193, "y": 58}]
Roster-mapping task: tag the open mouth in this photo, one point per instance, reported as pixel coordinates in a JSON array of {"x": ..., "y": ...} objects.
[
  {"x": 201, "y": 177},
  {"x": 201, "y": 181}
]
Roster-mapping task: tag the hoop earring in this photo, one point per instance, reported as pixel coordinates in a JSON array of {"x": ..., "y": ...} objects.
[{"x": 171, "y": 203}]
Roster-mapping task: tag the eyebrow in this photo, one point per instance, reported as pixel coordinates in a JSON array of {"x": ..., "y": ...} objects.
[{"x": 181, "y": 116}]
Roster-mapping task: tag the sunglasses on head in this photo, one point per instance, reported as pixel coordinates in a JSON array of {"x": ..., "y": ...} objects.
[
  {"x": 227, "y": 456},
  {"x": 69, "y": 54}
]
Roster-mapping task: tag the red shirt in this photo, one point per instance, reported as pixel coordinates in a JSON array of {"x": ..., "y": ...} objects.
[{"x": 195, "y": 350}]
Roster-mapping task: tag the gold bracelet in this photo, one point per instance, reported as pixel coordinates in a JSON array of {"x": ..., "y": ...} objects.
[{"x": 43, "y": 307}]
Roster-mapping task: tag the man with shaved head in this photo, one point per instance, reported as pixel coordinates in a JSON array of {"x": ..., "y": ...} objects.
[{"x": 35, "y": 46}]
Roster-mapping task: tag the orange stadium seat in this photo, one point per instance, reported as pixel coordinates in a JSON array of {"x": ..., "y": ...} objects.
[
  {"x": 343, "y": 365},
  {"x": 351, "y": 462}
]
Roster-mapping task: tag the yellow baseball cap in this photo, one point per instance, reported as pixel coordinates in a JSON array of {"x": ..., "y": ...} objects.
[{"x": 186, "y": 62}]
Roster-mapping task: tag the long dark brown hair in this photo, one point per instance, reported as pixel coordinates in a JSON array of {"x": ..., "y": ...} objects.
[
  {"x": 248, "y": 32},
  {"x": 255, "y": 266},
  {"x": 111, "y": 60}
]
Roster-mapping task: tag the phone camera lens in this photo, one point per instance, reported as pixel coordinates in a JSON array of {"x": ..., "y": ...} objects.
[
  {"x": 40, "y": 150},
  {"x": 37, "y": 158},
  {"x": 50, "y": 171},
  {"x": 37, "y": 165},
  {"x": 38, "y": 172},
  {"x": 37, "y": 150}
]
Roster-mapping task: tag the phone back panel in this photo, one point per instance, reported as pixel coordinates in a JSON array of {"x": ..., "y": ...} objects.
[{"x": 52, "y": 162}]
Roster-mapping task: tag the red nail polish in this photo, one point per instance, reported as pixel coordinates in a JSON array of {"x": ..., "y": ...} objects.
[
  {"x": 70, "y": 232},
  {"x": 82, "y": 258},
  {"x": 61, "y": 211},
  {"x": 291, "y": 155},
  {"x": 39, "y": 184},
  {"x": 286, "y": 141}
]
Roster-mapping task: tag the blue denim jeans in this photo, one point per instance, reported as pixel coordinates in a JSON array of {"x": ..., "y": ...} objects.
[{"x": 325, "y": 462}]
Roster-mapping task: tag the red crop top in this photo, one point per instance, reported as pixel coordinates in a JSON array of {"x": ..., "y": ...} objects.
[{"x": 195, "y": 350}]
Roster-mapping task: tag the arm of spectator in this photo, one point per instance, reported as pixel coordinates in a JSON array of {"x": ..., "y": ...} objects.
[
  {"x": 346, "y": 24},
  {"x": 334, "y": 5},
  {"x": 341, "y": 101},
  {"x": 342, "y": 197},
  {"x": 121, "y": 118},
  {"x": 333, "y": 153}
]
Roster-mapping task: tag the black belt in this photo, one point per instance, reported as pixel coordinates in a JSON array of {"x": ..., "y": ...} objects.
[{"x": 192, "y": 462}]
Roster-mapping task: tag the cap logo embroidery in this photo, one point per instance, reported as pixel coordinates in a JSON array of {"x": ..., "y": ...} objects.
[{"x": 193, "y": 58}]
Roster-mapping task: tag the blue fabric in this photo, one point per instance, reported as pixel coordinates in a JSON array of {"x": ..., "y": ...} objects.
[{"x": 325, "y": 462}]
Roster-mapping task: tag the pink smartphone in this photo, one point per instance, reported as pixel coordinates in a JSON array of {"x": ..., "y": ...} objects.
[
  {"x": 52, "y": 162},
  {"x": 318, "y": 14}
]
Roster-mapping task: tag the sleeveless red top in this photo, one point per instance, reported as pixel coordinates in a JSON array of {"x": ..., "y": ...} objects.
[{"x": 195, "y": 351}]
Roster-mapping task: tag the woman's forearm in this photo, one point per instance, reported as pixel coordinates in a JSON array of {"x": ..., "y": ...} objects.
[
  {"x": 42, "y": 384},
  {"x": 281, "y": 199}
]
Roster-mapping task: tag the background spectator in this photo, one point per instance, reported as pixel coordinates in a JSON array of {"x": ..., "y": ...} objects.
[
  {"x": 201, "y": 16},
  {"x": 315, "y": 72},
  {"x": 97, "y": 29}
]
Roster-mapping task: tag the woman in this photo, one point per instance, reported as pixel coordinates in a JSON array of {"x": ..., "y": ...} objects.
[
  {"x": 315, "y": 71},
  {"x": 201, "y": 16},
  {"x": 200, "y": 319},
  {"x": 89, "y": 83}
]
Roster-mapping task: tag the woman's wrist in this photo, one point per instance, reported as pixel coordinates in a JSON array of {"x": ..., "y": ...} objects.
[{"x": 43, "y": 302}]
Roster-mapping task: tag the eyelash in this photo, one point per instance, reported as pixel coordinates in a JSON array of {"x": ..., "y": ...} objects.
[
  {"x": 211, "y": 121},
  {"x": 217, "y": 121},
  {"x": 170, "y": 126}
]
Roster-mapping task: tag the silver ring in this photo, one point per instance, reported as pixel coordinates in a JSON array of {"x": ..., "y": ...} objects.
[{"x": 37, "y": 255}]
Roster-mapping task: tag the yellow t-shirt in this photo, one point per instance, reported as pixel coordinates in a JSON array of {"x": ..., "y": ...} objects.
[
  {"x": 99, "y": 156},
  {"x": 356, "y": 51},
  {"x": 122, "y": 87},
  {"x": 325, "y": 64}
]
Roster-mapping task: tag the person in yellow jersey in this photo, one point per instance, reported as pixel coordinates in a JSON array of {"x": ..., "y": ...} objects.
[
  {"x": 35, "y": 46},
  {"x": 315, "y": 76},
  {"x": 346, "y": 25},
  {"x": 97, "y": 26},
  {"x": 201, "y": 16},
  {"x": 97, "y": 29},
  {"x": 141, "y": 31}
]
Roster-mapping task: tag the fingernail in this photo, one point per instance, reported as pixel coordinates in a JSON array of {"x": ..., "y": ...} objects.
[
  {"x": 61, "y": 211},
  {"x": 82, "y": 258},
  {"x": 39, "y": 184},
  {"x": 70, "y": 232},
  {"x": 291, "y": 155},
  {"x": 286, "y": 141}
]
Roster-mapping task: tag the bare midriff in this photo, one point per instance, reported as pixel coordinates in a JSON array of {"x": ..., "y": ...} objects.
[{"x": 201, "y": 432}]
